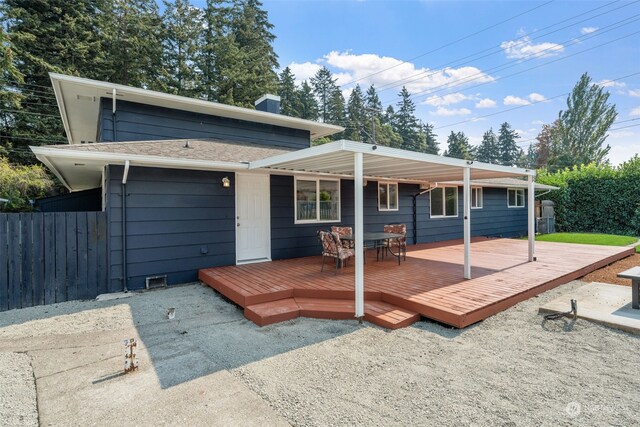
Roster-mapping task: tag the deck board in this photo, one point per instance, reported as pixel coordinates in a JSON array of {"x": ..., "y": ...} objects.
[{"x": 428, "y": 283}]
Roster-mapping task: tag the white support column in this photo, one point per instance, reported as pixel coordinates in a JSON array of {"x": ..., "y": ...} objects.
[
  {"x": 531, "y": 204},
  {"x": 466, "y": 197},
  {"x": 359, "y": 233}
]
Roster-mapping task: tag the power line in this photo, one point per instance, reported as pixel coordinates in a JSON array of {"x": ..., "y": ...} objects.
[
  {"x": 453, "y": 42},
  {"x": 510, "y": 64},
  {"x": 456, "y": 62},
  {"x": 28, "y": 112}
]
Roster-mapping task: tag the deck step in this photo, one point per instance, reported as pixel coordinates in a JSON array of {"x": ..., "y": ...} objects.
[
  {"x": 377, "y": 312},
  {"x": 243, "y": 296}
]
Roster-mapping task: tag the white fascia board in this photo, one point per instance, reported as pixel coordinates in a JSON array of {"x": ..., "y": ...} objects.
[
  {"x": 539, "y": 187},
  {"x": 230, "y": 111},
  {"x": 57, "y": 90},
  {"x": 137, "y": 159}
]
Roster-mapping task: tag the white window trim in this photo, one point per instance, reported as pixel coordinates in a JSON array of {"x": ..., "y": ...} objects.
[
  {"x": 387, "y": 209},
  {"x": 523, "y": 198},
  {"x": 295, "y": 200},
  {"x": 444, "y": 203},
  {"x": 480, "y": 191}
]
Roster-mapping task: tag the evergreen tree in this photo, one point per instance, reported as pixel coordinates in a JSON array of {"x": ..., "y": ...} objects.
[
  {"x": 458, "y": 146},
  {"x": 431, "y": 144},
  {"x": 255, "y": 72},
  {"x": 385, "y": 135},
  {"x": 508, "y": 150},
  {"x": 583, "y": 126},
  {"x": 372, "y": 103},
  {"x": 47, "y": 36},
  {"x": 10, "y": 98},
  {"x": 324, "y": 86},
  {"x": 405, "y": 122},
  {"x": 488, "y": 150},
  {"x": 389, "y": 117},
  {"x": 132, "y": 34},
  {"x": 218, "y": 52},
  {"x": 182, "y": 27},
  {"x": 289, "y": 100},
  {"x": 308, "y": 103},
  {"x": 357, "y": 116},
  {"x": 336, "y": 113}
]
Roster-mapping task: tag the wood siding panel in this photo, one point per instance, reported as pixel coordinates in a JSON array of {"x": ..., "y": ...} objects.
[
  {"x": 139, "y": 122},
  {"x": 178, "y": 221}
]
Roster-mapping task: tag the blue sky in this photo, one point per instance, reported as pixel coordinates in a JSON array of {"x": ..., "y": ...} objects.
[{"x": 466, "y": 62}]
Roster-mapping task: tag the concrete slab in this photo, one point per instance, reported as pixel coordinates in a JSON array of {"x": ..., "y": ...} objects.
[{"x": 602, "y": 303}]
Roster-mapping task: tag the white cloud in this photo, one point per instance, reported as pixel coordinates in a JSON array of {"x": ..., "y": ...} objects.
[
  {"x": 304, "y": 71},
  {"x": 610, "y": 83},
  {"x": 536, "y": 97},
  {"x": 448, "y": 99},
  {"x": 635, "y": 112},
  {"x": 538, "y": 122},
  {"x": 384, "y": 70},
  {"x": 588, "y": 30},
  {"x": 525, "y": 48},
  {"x": 447, "y": 112},
  {"x": 486, "y": 103},
  {"x": 514, "y": 100},
  {"x": 634, "y": 93}
]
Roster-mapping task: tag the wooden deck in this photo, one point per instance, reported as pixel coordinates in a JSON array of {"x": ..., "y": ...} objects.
[{"x": 428, "y": 284}]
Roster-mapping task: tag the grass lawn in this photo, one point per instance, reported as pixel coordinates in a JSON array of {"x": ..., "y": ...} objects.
[{"x": 589, "y": 239}]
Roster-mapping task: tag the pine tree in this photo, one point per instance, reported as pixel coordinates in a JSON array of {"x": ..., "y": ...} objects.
[
  {"x": 218, "y": 52},
  {"x": 336, "y": 113},
  {"x": 488, "y": 150},
  {"x": 458, "y": 146},
  {"x": 308, "y": 102},
  {"x": 431, "y": 143},
  {"x": 324, "y": 86},
  {"x": 255, "y": 72},
  {"x": 289, "y": 100},
  {"x": 47, "y": 36},
  {"x": 372, "y": 103},
  {"x": 132, "y": 34},
  {"x": 357, "y": 116},
  {"x": 405, "y": 122},
  {"x": 508, "y": 150},
  {"x": 10, "y": 98},
  {"x": 182, "y": 27}
]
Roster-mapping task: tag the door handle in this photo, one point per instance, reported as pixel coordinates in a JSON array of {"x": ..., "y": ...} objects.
[{"x": 238, "y": 224}]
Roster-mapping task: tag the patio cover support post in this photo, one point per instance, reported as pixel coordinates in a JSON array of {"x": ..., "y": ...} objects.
[
  {"x": 466, "y": 198},
  {"x": 531, "y": 217},
  {"x": 359, "y": 233}
]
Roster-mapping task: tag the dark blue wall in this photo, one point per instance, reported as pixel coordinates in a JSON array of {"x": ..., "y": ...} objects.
[
  {"x": 293, "y": 240},
  {"x": 79, "y": 201},
  {"x": 173, "y": 216},
  {"x": 140, "y": 122}
]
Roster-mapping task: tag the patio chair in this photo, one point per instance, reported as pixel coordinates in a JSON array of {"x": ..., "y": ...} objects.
[
  {"x": 401, "y": 242},
  {"x": 344, "y": 231},
  {"x": 331, "y": 247}
]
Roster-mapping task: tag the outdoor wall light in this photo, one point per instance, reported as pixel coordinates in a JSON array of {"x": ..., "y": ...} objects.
[{"x": 226, "y": 183}]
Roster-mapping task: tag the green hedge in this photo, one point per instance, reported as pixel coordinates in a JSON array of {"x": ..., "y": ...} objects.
[{"x": 597, "y": 199}]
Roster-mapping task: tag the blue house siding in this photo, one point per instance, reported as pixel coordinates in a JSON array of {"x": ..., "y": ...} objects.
[
  {"x": 177, "y": 222},
  {"x": 289, "y": 240},
  {"x": 139, "y": 122}
]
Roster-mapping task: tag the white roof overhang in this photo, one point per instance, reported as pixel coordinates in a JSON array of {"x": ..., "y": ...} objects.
[
  {"x": 79, "y": 103},
  {"x": 82, "y": 170},
  {"x": 337, "y": 158}
]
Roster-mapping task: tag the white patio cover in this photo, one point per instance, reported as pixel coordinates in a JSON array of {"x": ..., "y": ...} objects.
[{"x": 366, "y": 161}]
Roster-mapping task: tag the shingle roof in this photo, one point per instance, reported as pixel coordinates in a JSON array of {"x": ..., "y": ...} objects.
[{"x": 194, "y": 149}]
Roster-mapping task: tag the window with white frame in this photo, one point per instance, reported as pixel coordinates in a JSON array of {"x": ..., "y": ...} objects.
[
  {"x": 443, "y": 202},
  {"x": 387, "y": 196},
  {"x": 476, "y": 198},
  {"x": 515, "y": 197},
  {"x": 317, "y": 200}
]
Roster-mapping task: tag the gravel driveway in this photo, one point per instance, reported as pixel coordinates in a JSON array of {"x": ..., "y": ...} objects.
[{"x": 210, "y": 366}]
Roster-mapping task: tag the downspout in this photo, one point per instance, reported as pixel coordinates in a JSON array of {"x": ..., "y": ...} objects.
[
  {"x": 415, "y": 212},
  {"x": 125, "y": 175},
  {"x": 113, "y": 115}
]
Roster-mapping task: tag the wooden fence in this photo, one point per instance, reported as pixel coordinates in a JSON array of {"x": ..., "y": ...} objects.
[{"x": 53, "y": 257}]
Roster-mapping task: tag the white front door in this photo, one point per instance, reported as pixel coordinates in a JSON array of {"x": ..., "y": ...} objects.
[{"x": 253, "y": 234}]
